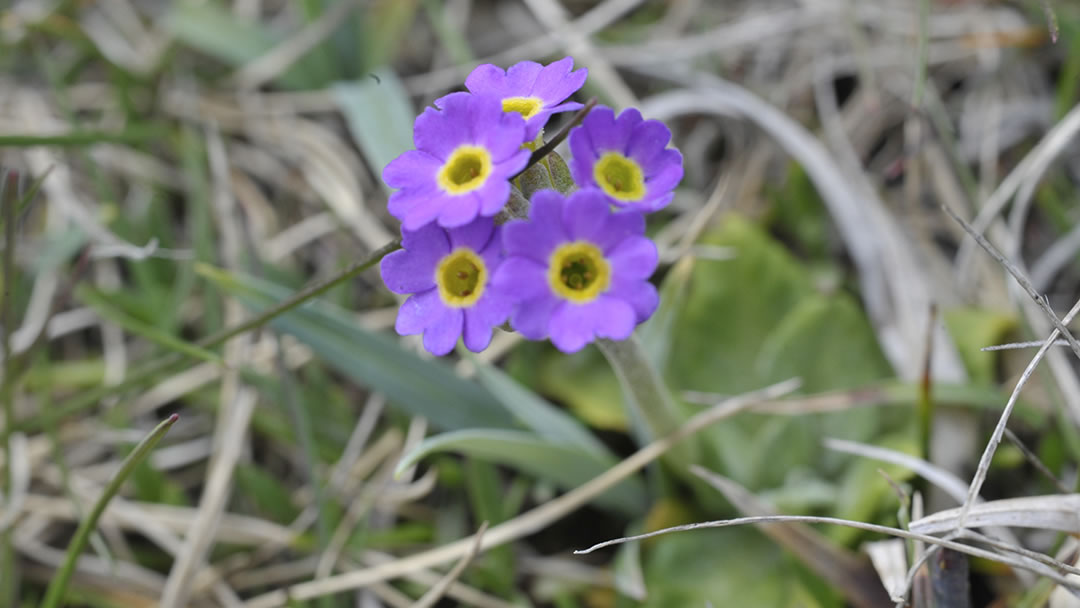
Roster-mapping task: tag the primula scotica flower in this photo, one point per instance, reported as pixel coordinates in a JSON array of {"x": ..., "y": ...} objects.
[
  {"x": 578, "y": 270},
  {"x": 535, "y": 91},
  {"x": 626, "y": 157},
  {"x": 448, "y": 273},
  {"x": 465, "y": 155}
]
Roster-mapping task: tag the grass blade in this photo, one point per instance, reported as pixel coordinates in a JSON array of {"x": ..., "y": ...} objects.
[{"x": 55, "y": 594}]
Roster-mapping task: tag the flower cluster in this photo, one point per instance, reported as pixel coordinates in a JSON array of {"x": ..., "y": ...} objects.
[{"x": 573, "y": 264}]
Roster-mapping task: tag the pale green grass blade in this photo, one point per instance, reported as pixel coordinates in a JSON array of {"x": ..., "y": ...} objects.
[{"x": 380, "y": 117}]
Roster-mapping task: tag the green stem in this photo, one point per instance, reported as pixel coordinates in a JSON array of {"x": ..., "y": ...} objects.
[
  {"x": 651, "y": 407},
  {"x": 133, "y": 135},
  {"x": 142, "y": 375},
  {"x": 55, "y": 593}
]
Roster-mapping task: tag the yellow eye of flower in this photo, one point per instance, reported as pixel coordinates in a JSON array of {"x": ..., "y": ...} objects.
[
  {"x": 461, "y": 277},
  {"x": 466, "y": 170},
  {"x": 618, "y": 176},
  {"x": 578, "y": 272},
  {"x": 526, "y": 106}
]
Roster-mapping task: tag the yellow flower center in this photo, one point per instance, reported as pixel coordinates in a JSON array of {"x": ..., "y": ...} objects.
[
  {"x": 466, "y": 170},
  {"x": 578, "y": 272},
  {"x": 461, "y": 277},
  {"x": 526, "y": 106},
  {"x": 620, "y": 177}
]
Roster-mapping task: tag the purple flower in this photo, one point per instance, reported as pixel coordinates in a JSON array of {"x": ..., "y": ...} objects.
[
  {"x": 535, "y": 91},
  {"x": 465, "y": 155},
  {"x": 627, "y": 158},
  {"x": 448, "y": 272},
  {"x": 578, "y": 270}
]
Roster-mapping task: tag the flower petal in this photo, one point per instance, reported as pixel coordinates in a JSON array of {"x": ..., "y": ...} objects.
[
  {"x": 492, "y": 196},
  {"x": 556, "y": 82},
  {"x": 521, "y": 76},
  {"x": 647, "y": 140},
  {"x": 443, "y": 332},
  {"x": 418, "y": 208},
  {"x": 582, "y": 156},
  {"x": 635, "y": 257},
  {"x": 533, "y": 316},
  {"x": 486, "y": 79},
  {"x": 521, "y": 278},
  {"x": 503, "y": 137},
  {"x": 417, "y": 312},
  {"x": 619, "y": 226},
  {"x": 490, "y": 311},
  {"x": 538, "y": 236},
  {"x": 459, "y": 210},
  {"x": 412, "y": 269},
  {"x": 585, "y": 214},
  {"x": 413, "y": 167},
  {"x": 438, "y": 133},
  {"x": 574, "y": 326},
  {"x": 640, "y": 295},
  {"x": 475, "y": 235}
]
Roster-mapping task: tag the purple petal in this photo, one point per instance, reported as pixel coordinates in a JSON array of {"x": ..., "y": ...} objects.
[
  {"x": 640, "y": 295},
  {"x": 459, "y": 210},
  {"x": 443, "y": 332},
  {"x": 482, "y": 113},
  {"x": 663, "y": 164},
  {"x": 521, "y": 278},
  {"x": 503, "y": 140},
  {"x": 418, "y": 208},
  {"x": 492, "y": 196},
  {"x": 521, "y": 76},
  {"x": 538, "y": 236},
  {"x": 634, "y": 257},
  {"x": 555, "y": 81},
  {"x": 412, "y": 269},
  {"x": 653, "y": 204},
  {"x": 620, "y": 226},
  {"x": 647, "y": 140},
  {"x": 585, "y": 214},
  {"x": 417, "y": 312},
  {"x": 438, "y": 133},
  {"x": 533, "y": 316},
  {"x": 412, "y": 168},
  {"x": 582, "y": 156},
  {"x": 602, "y": 129},
  {"x": 491, "y": 310},
  {"x": 475, "y": 235},
  {"x": 574, "y": 326},
  {"x": 486, "y": 79}
]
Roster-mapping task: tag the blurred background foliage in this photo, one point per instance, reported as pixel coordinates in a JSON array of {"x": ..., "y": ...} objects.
[{"x": 176, "y": 168}]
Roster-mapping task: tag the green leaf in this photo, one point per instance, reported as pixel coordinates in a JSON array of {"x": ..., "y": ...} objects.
[
  {"x": 421, "y": 387},
  {"x": 543, "y": 418},
  {"x": 729, "y": 567},
  {"x": 380, "y": 116},
  {"x": 972, "y": 329},
  {"x": 565, "y": 465}
]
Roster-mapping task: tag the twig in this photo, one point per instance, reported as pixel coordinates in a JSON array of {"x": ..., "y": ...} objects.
[
  {"x": 55, "y": 593},
  {"x": 428, "y": 599},
  {"x": 1021, "y": 278},
  {"x": 1033, "y": 459},
  {"x": 539, "y": 153}
]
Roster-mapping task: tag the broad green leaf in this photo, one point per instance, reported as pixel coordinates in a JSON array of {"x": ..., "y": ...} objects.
[
  {"x": 380, "y": 116},
  {"x": 422, "y": 387},
  {"x": 728, "y": 567},
  {"x": 544, "y": 419},
  {"x": 972, "y": 329},
  {"x": 584, "y": 382},
  {"x": 565, "y": 465}
]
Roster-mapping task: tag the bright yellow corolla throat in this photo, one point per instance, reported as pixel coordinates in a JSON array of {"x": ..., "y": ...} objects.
[
  {"x": 618, "y": 176},
  {"x": 526, "y": 106},
  {"x": 578, "y": 272},
  {"x": 466, "y": 170},
  {"x": 461, "y": 277}
]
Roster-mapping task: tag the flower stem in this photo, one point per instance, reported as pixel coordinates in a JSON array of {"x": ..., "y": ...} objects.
[
  {"x": 55, "y": 593},
  {"x": 142, "y": 375},
  {"x": 653, "y": 411}
]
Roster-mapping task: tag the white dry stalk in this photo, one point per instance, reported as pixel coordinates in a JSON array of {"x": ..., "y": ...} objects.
[
  {"x": 439, "y": 589},
  {"x": 1059, "y": 512},
  {"x": 527, "y": 523},
  {"x": 999, "y": 430},
  {"x": 1018, "y": 561}
]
